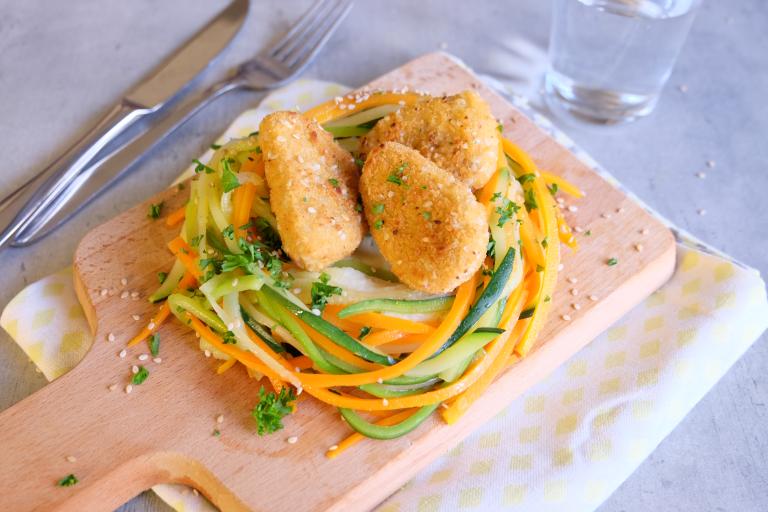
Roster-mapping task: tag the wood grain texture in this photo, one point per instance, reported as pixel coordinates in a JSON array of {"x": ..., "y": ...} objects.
[{"x": 162, "y": 431}]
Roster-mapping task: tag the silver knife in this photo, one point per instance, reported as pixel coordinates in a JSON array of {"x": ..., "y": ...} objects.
[{"x": 167, "y": 82}]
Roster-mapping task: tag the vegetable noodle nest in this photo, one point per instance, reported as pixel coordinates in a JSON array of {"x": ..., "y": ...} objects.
[{"x": 336, "y": 322}]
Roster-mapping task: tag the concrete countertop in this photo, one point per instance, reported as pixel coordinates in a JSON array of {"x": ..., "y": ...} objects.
[{"x": 63, "y": 64}]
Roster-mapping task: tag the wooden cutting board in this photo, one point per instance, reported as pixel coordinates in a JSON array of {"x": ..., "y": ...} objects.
[{"x": 163, "y": 430}]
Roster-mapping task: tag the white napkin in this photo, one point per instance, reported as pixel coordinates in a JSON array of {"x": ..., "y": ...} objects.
[{"x": 568, "y": 442}]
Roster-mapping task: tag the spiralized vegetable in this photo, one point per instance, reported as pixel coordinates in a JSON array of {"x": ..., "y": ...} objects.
[{"x": 352, "y": 336}]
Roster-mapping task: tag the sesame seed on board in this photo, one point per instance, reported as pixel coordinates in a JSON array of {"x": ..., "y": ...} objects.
[{"x": 292, "y": 440}]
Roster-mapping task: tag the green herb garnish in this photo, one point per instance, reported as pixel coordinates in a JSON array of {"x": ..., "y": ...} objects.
[
  {"x": 378, "y": 224},
  {"x": 229, "y": 338},
  {"x": 377, "y": 208},
  {"x": 271, "y": 409},
  {"x": 525, "y": 178},
  {"x": 228, "y": 232},
  {"x": 611, "y": 262},
  {"x": 365, "y": 331},
  {"x": 530, "y": 200},
  {"x": 527, "y": 313},
  {"x": 215, "y": 147},
  {"x": 68, "y": 481},
  {"x": 553, "y": 188},
  {"x": 334, "y": 182},
  {"x": 162, "y": 276},
  {"x": 229, "y": 181},
  {"x": 140, "y": 376},
  {"x": 154, "y": 345},
  {"x": 200, "y": 167},
  {"x": 506, "y": 211},
  {"x": 396, "y": 176},
  {"x": 427, "y": 215},
  {"x": 154, "y": 210},
  {"x": 321, "y": 291}
]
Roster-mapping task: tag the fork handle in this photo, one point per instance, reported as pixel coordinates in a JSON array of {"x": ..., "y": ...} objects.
[{"x": 19, "y": 208}]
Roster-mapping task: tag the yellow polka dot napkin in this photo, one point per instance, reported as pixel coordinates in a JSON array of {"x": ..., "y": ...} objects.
[{"x": 569, "y": 441}]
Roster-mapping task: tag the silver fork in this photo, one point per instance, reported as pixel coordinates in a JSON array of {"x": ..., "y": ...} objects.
[{"x": 273, "y": 67}]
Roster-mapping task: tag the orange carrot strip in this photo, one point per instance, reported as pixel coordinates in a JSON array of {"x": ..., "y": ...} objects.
[
  {"x": 186, "y": 255},
  {"x": 381, "y": 337},
  {"x": 563, "y": 184},
  {"x": 331, "y": 110},
  {"x": 379, "y": 321},
  {"x": 330, "y": 314},
  {"x": 153, "y": 325},
  {"x": 175, "y": 217},
  {"x": 301, "y": 362},
  {"x": 242, "y": 201},
  {"x": 226, "y": 365},
  {"x": 335, "y": 350},
  {"x": 254, "y": 164}
]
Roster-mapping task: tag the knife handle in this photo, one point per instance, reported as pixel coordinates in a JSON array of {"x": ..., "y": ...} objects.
[{"x": 19, "y": 208}]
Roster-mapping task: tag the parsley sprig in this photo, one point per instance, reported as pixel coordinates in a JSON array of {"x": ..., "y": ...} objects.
[
  {"x": 322, "y": 291},
  {"x": 271, "y": 409},
  {"x": 506, "y": 211}
]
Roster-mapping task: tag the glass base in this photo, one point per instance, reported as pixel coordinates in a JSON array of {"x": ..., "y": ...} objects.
[{"x": 599, "y": 106}]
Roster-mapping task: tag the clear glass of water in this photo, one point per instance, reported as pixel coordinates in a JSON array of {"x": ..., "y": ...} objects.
[{"x": 610, "y": 59}]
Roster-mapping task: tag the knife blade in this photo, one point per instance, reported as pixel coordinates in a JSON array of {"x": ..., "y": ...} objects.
[{"x": 168, "y": 81}]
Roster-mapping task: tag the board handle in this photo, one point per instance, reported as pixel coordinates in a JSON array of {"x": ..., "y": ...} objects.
[{"x": 74, "y": 417}]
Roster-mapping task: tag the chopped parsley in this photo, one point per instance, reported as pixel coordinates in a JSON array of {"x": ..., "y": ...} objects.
[
  {"x": 68, "y": 481},
  {"x": 547, "y": 298},
  {"x": 200, "y": 167},
  {"x": 525, "y": 178},
  {"x": 215, "y": 146},
  {"x": 527, "y": 313},
  {"x": 378, "y": 224},
  {"x": 162, "y": 276},
  {"x": 154, "y": 210},
  {"x": 322, "y": 291},
  {"x": 154, "y": 345},
  {"x": 229, "y": 181},
  {"x": 553, "y": 188},
  {"x": 588, "y": 232},
  {"x": 140, "y": 376},
  {"x": 334, "y": 182},
  {"x": 268, "y": 235},
  {"x": 216, "y": 432},
  {"x": 496, "y": 196},
  {"x": 427, "y": 215},
  {"x": 271, "y": 409},
  {"x": 544, "y": 243},
  {"x": 364, "y": 332},
  {"x": 500, "y": 127},
  {"x": 358, "y": 207},
  {"x": 539, "y": 268},
  {"x": 611, "y": 262},
  {"x": 506, "y": 211},
  {"x": 530, "y": 200},
  {"x": 180, "y": 187},
  {"x": 195, "y": 242},
  {"x": 396, "y": 175},
  {"x": 359, "y": 162},
  {"x": 377, "y": 208},
  {"x": 228, "y": 232},
  {"x": 490, "y": 250},
  {"x": 229, "y": 338}
]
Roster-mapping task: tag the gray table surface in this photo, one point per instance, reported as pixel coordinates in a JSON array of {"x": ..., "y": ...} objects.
[{"x": 62, "y": 64}]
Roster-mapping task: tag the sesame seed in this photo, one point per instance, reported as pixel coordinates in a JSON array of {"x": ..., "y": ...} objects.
[
  {"x": 128, "y": 389},
  {"x": 110, "y": 337},
  {"x": 701, "y": 211},
  {"x": 573, "y": 280},
  {"x": 135, "y": 317},
  {"x": 312, "y": 210},
  {"x": 574, "y": 292},
  {"x": 71, "y": 458},
  {"x": 560, "y": 267},
  {"x": 207, "y": 353},
  {"x": 567, "y": 318},
  {"x": 122, "y": 354},
  {"x": 124, "y": 281},
  {"x": 103, "y": 292},
  {"x": 578, "y": 229},
  {"x": 605, "y": 215},
  {"x": 316, "y": 312},
  {"x": 701, "y": 175},
  {"x": 384, "y": 402},
  {"x": 112, "y": 387},
  {"x": 683, "y": 88},
  {"x": 297, "y": 291},
  {"x": 143, "y": 357},
  {"x": 158, "y": 360},
  {"x": 644, "y": 231},
  {"x": 134, "y": 295},
  {"x": 380, "y": 380},
  {"x": 151, "y": 326},
  {"x": 593, "y": 298},
  {"x": 620, "y": 209},
  {"x": 195, "y": 492},
  {"x": 333, "y": 447},
  {"x": 576, "y": 306},
  {"x": 711, "y": 164},
  {"x": 234, "y": 282},
  {"x": 292, "y": 440},
  {"x": 124, "y": 295},
  {"x": 220, "y": 419},
  {"x": 639, "y": 247},
  {"x": 299, "y": 390},
  {"x": 134, "y": 369},
  {"x": 573, "y": 208}
]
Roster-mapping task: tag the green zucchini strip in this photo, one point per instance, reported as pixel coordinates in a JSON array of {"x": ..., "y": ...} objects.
[
  {"x": 387, "y": 432},
  {"x": 490, "y": 295},
  {"x": 397, "y": 306},
  {"x": 327, "y": 329},
  {"x": 455, "y": 354},
  {"x": 180, "y": 303},
  {"x": 261, "y": 332},
  {"x": 385, "y": 391},
  {"x": 169, "y": 285}
]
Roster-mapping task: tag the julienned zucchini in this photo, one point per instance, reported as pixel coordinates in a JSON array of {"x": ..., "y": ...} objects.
[
  {"x": 488, "y": 298},
  {"x": 387, "y": 432},
  {"x": 397, "y": 306},
  {"x": 456, "y": 354},
  {"x": 328, "y": 330},
  {"x": 261, "y": 332}
]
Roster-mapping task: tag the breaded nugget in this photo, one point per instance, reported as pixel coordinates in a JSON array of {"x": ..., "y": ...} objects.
[
  {"x": 313, "y": 190},
  {"x": 458, "y": 133},
  {"x": 427, "y": 224}
]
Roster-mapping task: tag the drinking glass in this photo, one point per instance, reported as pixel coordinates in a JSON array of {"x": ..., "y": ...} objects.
[{"x": 610, "y": 59}]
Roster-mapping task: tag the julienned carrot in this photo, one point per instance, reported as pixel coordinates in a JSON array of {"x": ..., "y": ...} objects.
[
  {"x": 254, "y": 164},
  {"x": 564, "y": 231},
  {"x": 355, "y": 438},
  {"x": 301, "y": 362},
  {"x": 379, "y": 321},
  {"x": 464, "y": 296},
  {"x": 153, "y": 324},
  {"x": 331, "y": 110},
  {"x": 335, "y": 350},
  {"x": 226, "y": 365},
  {"x": 186, "y": 255},
  {"x": 377, "y": 338},
  {"x": 175, "y": 217},
  {"x": 242, "y": 201},
  {"x": 531, "y": 244},
  {"x": 562, "y": 184},
  {"x": 331, "y": 314}
]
